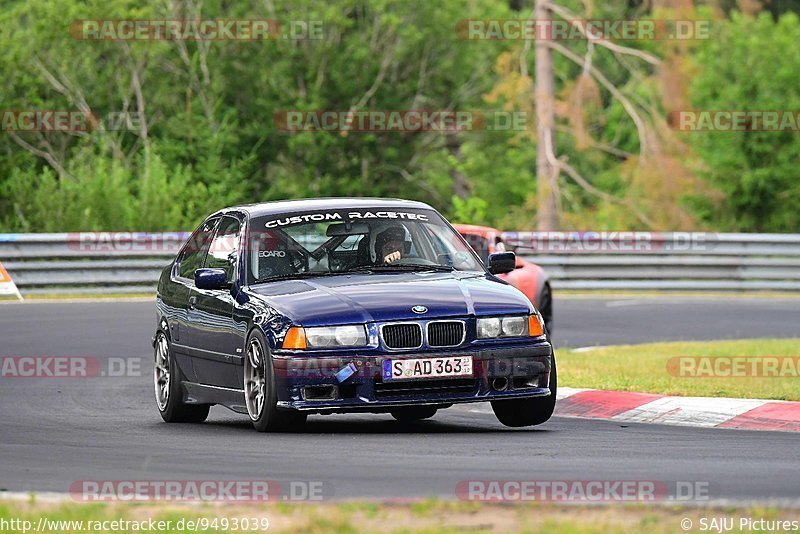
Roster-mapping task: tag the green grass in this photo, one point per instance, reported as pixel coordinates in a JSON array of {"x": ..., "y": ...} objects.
[
  {"x": 373, "y": 516},
  {"x": 644, "y": 368}
]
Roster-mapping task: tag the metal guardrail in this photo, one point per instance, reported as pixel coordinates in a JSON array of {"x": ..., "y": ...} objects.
[
  {"x": 130, "y": 262},
  {"x": 664, "y": 261},
  {"x": 88, "y": 262}
]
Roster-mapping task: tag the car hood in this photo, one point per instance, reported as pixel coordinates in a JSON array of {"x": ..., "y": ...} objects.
[{"x": 390, "y": 297}]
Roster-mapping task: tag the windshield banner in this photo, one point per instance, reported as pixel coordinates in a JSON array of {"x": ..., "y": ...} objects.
[{"x": 341, "y": 216}]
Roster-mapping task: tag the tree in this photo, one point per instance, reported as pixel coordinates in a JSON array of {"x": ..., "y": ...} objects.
[
  {"x": 547, "y": 163},
  {"x": 747, "y": 67},
  {"x": 547, "y": 168}
]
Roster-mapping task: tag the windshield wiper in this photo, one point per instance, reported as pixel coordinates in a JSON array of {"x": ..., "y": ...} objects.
[
  {"x": 358, "y": 269},
  {"x": 412, "y": 267},
  {"x": 405, "y": 267}
]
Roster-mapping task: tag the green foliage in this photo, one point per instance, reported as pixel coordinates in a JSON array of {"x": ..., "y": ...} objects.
[
  {"x": 471, "y": 210},
  {"x": 211, "y": 139},
  {"x": 750, "y": 65},
  {"x": 108, "y": 196}
]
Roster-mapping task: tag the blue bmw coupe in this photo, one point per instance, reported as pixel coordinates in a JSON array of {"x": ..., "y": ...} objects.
[{"x": 283, "y": 309}]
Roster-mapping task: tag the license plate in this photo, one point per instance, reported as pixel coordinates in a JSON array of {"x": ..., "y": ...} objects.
[{"x": 427, "y": 368}]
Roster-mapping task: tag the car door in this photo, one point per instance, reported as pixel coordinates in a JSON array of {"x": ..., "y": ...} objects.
[
  {"x": 191, "y": 258},
  {"x": 212, "y": 334}
]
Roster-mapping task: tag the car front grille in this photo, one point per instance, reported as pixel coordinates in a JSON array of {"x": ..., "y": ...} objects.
[
  {"x": 402, "y": 336},
  {"x": 445, "y": 333},
  {"x": 402, "y": 388}
]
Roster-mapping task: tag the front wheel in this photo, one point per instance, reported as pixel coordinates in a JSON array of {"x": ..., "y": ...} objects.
[
  {"x": 529, "y": 412},
  {"x": 260, "y": 391},
  {"x": 167, "y": 384}
]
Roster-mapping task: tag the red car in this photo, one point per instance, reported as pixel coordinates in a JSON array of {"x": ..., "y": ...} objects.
[{"x": 527, "y": 277}]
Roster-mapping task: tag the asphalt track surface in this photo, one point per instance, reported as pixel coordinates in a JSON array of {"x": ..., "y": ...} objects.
[{"x": 55, "y": 431}]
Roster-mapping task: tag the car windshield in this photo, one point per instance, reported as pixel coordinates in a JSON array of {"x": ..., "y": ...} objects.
[
  {"x": 332, "y": 242},
  {"x": 484, "y": 245},
  {"x": 479, "y": 244}
]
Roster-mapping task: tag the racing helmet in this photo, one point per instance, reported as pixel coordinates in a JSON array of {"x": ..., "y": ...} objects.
[{"x": 395, "y": 232}]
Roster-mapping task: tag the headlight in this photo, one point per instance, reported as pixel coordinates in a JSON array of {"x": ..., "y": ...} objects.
[
  {"x": 489, "y": 327},
  {"x": 512, "y": 326},
  {"x": 350, "y": 336},
  {"x": 515, "y": 326},
  {"x": 325, "y": 336}
]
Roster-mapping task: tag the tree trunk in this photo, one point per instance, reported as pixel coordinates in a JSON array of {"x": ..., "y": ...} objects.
[{"x": 544, "y": 92}]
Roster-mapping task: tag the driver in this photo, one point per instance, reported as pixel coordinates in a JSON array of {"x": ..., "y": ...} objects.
[{"x": 391, "y": 244}]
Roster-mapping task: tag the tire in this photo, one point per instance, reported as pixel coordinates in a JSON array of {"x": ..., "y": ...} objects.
[
  {"x": 414, "y": 413},
  {"x": 261, "y": 394},
  {"x": 167, "y": 386},
  {"x": 546, "y": 309},
  {"x": 528, "y": 412}
]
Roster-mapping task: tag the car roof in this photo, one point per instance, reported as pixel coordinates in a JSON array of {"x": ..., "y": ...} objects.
[{"x": 313, "y": 204}]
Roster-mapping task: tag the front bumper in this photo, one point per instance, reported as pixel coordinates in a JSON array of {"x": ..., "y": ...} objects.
[{"x": 499, "y": 372}]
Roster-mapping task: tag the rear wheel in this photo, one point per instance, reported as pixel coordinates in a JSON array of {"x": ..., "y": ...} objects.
[
  {"x": 413, "y": 413},
  {"x": 167, "y": 384},
  {"x": 529, "y": 412},
  {"x": 260, "y": 391}
]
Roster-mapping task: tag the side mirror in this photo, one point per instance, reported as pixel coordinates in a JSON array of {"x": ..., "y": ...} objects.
[
  {"x": 502, "y": 262},
  {"x": 211, "y": 279}
]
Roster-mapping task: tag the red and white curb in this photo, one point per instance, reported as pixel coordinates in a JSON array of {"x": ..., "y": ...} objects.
[{"x": 717, "y": 412}]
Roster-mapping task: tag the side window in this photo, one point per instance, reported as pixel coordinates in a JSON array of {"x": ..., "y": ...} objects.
[
  {"x": 224, "y": 247},
  {"x": 194, "y": 254}
]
